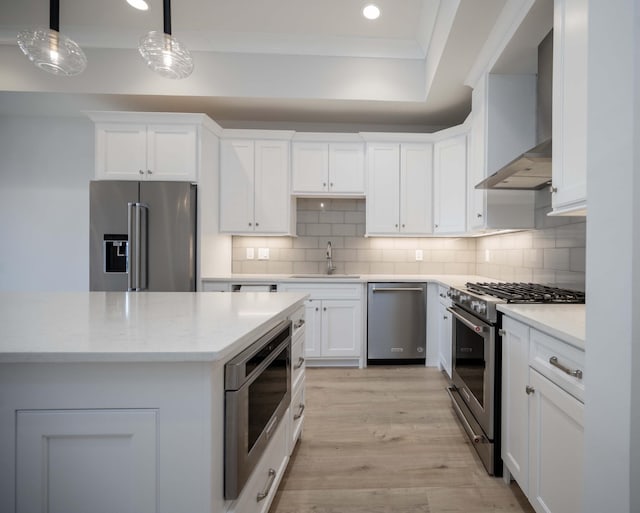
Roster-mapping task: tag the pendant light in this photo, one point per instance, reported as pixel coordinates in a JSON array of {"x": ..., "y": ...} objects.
[
  {"x": 163, "y": 53},
  {"x": 50, "y": 50}
]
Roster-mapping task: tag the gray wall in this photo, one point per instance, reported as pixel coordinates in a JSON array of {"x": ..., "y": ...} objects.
[{"x": 45, "y": 170}]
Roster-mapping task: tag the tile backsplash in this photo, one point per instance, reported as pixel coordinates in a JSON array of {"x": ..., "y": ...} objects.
[{"x": 554, "y": 253}]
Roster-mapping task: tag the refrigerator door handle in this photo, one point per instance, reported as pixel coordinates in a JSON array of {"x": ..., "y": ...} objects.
[{"x": 137, "y": 265}]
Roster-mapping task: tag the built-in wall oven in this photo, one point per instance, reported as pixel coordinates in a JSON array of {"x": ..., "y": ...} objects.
[
  {"x": 257, "y": 395},
  {"x": 477, "y": 356}
]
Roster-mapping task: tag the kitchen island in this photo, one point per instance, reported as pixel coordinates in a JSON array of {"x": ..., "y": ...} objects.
[{"x": 115, "y": 401}]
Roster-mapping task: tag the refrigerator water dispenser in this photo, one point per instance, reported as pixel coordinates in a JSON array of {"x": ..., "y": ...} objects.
[{"x": 116, "y": 253}]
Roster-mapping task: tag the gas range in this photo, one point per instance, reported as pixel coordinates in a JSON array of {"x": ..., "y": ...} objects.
[{"x": 481, "y": 299}]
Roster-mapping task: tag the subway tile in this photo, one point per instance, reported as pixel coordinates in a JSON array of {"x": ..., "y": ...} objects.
[
  {"x": 331, "y": 217},
  {"x": 571, "y": 236},
  {"x": 301, "y": 229},
  {"x": 442, "y": 255},
  {"x": 533, "y": 258},
  {"x": 431, "y": 268},
  {"x": 279, "y": 267},
  {"x": 315, "y": 255},
  {"x": 345, "y": 255},
  {"x": 254, "y": 267},
  {"x": 544, "y": 276},
  {"x": 381, "y": 267},
  {"x": 292, "y": 255},
  {"x": 381, "y": 243},
  {"x": 354, "y": 217},
  {"x": 455, "y": 268},
  {"x": 361, "y": 229},
  {"x": 523, "y": 275},
  {"x": 515, "y": 258},
  {"x": 570, "y": 280},
  {"x": 307, "y": 216},
  {"x": 357, "y": 268},
  {"x": 236, "y": 267},
  {"x": 305, "y": 242},
  {"x": 577, "y": 259},
  {"x": 369, "y": 255},
  {"x": 304, "y": 267},
  {"x": 465, "y": 256},
  {"x": 345, "y": 230},
  {"x": 356, "y": 242},
  {"x": 319, "y": 229},
  {"x": 394, "y": 255},
  {"x": 407, "y": 268},
  {"x": 556, "y": 259},
  {"x": 405, "y": 243}
]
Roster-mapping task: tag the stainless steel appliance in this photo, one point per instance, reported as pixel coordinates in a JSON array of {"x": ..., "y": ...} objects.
[
  {"x": 477, "y": 356},
  {"x": 143, "y": 236},
  {"x": 257, "y": 395},
  {"x": 396, "y": 322}
]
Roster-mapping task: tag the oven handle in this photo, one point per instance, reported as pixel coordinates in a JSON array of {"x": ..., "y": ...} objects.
[
  {"x": 478, "y": 328},
  {"x": 465, "y": 423}
]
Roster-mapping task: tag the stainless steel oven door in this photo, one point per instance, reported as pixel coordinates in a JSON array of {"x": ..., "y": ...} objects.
[
  {"x": 473, "y": 368},
  {"x": 256, "y": 400}
]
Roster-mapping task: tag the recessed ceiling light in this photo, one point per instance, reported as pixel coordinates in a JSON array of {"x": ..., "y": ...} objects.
[
  {"x": 371, "y": 12},
  {"x": 138, "y": 4}
]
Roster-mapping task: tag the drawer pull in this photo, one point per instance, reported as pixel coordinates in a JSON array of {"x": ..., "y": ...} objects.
[
  {"x": 575, "y": 373},
  {"x": 299, "y": 414},
  {"x": 529, "y": 390},
  {"x": 264, "y": 493},
  {"x": 299, "y": 364},
  {"x": 298, "y": 324}
]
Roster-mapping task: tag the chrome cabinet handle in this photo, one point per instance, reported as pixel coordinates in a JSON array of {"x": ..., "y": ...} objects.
[
  {"x": 298, "y": 324},
  {"x": 299, "y": 414},
  {"x": 529, "y": 390},
  {"x": 140, "y": 171},
  {"x": 575, "y": 373},
  {"x": 554, "y": 189},
  {"x": 299, "y": 364},
  {"x": 149, "y": 171},
  {"x": 265, "y": 492}
]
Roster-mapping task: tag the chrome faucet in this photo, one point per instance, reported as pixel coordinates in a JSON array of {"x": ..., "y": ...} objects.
[{"x": 330, "y": 266}]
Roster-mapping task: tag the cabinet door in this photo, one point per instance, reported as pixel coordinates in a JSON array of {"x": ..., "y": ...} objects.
[
  {"x": 310, "y": 167},
  {"x": 86, "y": 460},
  {"x": 236, "y": 186},
  {"x": 477, "y": 161},
  {"x": 515, "y": 403},
  {"x": 450, "y": 181},
  {"x": 569, "y": 162},
  {"x": 383, "y": 189},
  {"x": 556, "y": 448},
  {"x": 341, "y": 328},
  {"x": 444, "y": 338},
  {"x": 313, "y": 327},
  {"x": 272, "y": 196},
  {"x": 416, "y": 194},
  {"x": 346, "y": 168},
  {"x": 172, "y": 152},
  {"x": 121, "y": 151}
]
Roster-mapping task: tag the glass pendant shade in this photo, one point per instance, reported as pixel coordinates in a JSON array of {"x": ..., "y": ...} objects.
[
  {"x": 52, "y": 51},
  {"x": 165, "y": 55}
]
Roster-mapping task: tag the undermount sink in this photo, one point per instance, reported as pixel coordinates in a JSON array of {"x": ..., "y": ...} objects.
[{"x": 323, "y": 276}]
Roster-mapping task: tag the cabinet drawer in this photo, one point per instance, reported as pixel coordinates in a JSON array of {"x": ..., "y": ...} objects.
[
  {"x": 545, "y": 351},
  {"x": 297, "y": 414},
  {"x": 297, "y": 318},
  {"x": 297, "y": 361},
  {"x": 326, "y": 291},
  {"x": 266, "y": 476}
]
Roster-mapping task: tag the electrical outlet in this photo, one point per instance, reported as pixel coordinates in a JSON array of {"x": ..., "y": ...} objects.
[
  {"x": 250, "y": 254},
  {"x": 263, "y": 253},
  {"x": 419, "y": 255}
]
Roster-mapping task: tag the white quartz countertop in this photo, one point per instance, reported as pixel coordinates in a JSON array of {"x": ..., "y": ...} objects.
[
  {"x": 565, "y": 321},
  {"x": 451, "y": 280},
  {"x": 136, "y": 326}
]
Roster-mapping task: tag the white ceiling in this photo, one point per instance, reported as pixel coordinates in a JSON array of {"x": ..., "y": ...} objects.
[{"x": 257, "y": 63}]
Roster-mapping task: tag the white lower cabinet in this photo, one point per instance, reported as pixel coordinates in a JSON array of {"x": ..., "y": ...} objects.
[
  {"x": 556, "y": 442},
  {"x": 70, "y": 459},
  {"x": 333, "y": 322},
  {"x": 542, "y": 422}
]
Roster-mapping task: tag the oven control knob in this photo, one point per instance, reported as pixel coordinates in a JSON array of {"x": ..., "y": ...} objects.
[
  {"x": 464, "y": 298},
  {"x": 479, "y": 307}
]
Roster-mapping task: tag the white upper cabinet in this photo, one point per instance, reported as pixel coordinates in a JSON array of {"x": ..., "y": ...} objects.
[
  {"x": 399, "y": 188},
  {"x": 327, "y": 169},
  {"x": 502, "y": 127},
  {"x": 569, "y": 162},
  {"x": 254, "y": 187},
  {"x": 450, "y": 185},
  {"x": 139, "y": 146}
]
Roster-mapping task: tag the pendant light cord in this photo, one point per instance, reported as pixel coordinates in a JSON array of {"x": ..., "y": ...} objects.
[
  {"x": 166, "y": 15},
  {"x": 54, "y": 15}
]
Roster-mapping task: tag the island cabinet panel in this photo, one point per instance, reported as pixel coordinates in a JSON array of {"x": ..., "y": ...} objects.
[{"x": 82, "y": 460}]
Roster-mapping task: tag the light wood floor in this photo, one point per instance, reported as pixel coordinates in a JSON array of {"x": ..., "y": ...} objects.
[{"x": 385, "y": 440}]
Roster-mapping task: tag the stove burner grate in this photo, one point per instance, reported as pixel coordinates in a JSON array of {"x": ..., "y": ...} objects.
[{"x": 528, "y": 292}]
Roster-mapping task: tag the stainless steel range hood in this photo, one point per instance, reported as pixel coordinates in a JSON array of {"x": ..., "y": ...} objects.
[{"x": 532, "y": 169}]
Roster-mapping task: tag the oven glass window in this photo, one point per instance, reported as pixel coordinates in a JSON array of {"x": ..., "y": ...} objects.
[
  {"x": 265, "y": 394},
  {"x": 469, "y": 362}
]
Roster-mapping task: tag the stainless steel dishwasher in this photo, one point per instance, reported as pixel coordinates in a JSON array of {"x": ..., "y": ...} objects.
[{"x": 396, "y": 322}]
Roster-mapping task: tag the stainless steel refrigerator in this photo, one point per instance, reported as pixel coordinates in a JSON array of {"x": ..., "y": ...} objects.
[{"x": 143, "y": 236}]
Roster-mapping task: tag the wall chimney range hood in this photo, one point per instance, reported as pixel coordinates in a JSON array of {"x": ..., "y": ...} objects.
[{"x": 532, "y": 169}]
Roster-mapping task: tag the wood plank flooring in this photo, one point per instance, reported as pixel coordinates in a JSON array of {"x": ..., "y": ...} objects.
[{"x": 385, "y": 440}]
